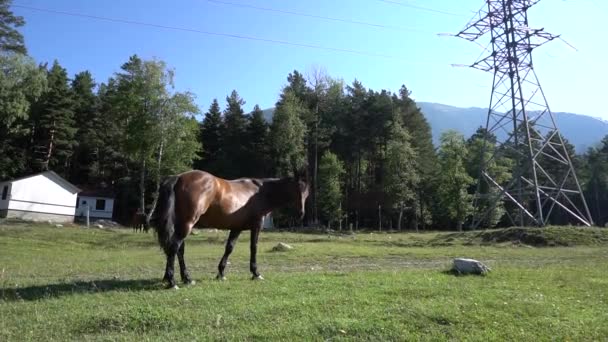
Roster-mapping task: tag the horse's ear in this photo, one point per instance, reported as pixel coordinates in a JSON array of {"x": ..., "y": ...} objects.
[
  {"x": 301, "y": 174},
  {"x": 296, "y": 174}
]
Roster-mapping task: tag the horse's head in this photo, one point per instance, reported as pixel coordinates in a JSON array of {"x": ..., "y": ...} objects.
[{"x": 300, "y": 191}]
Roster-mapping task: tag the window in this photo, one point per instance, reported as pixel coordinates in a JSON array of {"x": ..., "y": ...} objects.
[
  {"x": 4, "y": 192},
  {"x": 100, "y": 204}
]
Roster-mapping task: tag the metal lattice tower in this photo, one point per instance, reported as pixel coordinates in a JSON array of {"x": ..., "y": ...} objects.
[{"x": 543, "y": 176}]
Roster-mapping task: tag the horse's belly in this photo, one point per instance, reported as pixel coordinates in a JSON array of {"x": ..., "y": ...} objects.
[{"x": 223, "y": 221}]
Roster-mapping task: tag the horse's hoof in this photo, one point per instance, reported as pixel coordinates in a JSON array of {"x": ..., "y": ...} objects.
[
  {"x": 172, "y": 287},
  {"x": 258, "y": 277},
  {"x": 189, "y": 282},
  {"x": 220, "y": 278}
]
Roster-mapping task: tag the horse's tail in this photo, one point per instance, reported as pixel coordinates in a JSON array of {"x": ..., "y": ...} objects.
[{"x": 164, "y": 214}]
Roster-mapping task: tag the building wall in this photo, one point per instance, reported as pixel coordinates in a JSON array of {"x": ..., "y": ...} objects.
[
  {"x": 106, "y": 213},
  {"x": 41, "y": 195},
  {"x": 34, "y": 216},
  {"x": 4, "y": 202},
  {"x": 267, "y": 223}
]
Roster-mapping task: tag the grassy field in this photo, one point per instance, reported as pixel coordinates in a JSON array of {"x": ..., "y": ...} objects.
[{"x": 74, "y": 283}]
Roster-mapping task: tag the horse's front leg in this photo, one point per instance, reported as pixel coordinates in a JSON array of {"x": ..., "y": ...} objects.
[
  {"x": 234, "y": 234},
  {"x": 253, "y": 267}
]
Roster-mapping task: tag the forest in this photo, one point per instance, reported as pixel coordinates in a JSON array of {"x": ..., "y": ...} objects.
[{"x": 369, "y": 153}]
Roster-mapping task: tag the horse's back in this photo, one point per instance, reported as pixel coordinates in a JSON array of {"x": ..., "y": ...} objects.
[{"x": 214, "y": 201}]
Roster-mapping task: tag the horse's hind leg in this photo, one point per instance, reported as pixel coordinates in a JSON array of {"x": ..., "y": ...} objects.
[
  {"x": 253, "y": 267},
  {"x": 182, "y": 265},
  {"x": 171, "y": 251},
  {"x": 234, "y": 234}
]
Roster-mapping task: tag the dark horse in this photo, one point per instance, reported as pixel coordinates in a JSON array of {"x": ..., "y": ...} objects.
[{"x": 200, "y": 198}]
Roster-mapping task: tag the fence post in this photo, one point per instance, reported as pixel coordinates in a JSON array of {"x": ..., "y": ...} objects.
[{"x": 380, "y": 216}]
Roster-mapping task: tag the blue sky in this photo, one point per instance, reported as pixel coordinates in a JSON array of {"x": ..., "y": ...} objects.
[{"x": 211, "y": 66}]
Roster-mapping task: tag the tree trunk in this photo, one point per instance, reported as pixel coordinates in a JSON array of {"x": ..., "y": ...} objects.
[
  {"x": 421, "y": 206},
  {"x": 346, "y": 224},
  {"x": 142, "y": 186},
  {"x": 359, "y": 172},
  {"x": 415, "y": 218},
  {"x": 340, "y": 217},
  {"x": 316, "y": 167},
  {"x": 459, "y": 226},
  {"x": 380, "y": 217},
  {"x": 597, "y": 205},
  {"x": 159, "y": 161},
  {"x": 49, "y": 153},
  {"x": 400, "y": 218}
]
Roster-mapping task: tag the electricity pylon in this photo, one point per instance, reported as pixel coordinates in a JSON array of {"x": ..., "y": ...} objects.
[{"x": 543, "y": 176}]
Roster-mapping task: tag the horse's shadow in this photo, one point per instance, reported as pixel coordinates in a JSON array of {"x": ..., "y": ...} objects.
[{"x": 48, "y": 291}]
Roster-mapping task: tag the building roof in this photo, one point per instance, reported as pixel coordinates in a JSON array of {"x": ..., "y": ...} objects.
[
  {"x": 52, "y": 176},
  {"x": 102, "y": 193}
]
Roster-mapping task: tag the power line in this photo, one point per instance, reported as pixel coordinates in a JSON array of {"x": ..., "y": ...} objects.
[
  {"x": 211, "y": 33},
  {"x": 356, "y": 22},
  {"x": 422, "y": 8}
]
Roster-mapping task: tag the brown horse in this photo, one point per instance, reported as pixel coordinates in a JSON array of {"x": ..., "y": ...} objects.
[
  {"x": 200, "y": 198},
  {"x": 138, "y": 221}
]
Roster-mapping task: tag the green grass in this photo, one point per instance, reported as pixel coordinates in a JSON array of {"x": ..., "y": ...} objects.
[{"x": 88, "y": 284}]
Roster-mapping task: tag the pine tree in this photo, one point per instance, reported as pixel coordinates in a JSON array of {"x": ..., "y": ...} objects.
[
  {"x": 178, "y": 147},
  {"x": 21, "y": 84},
  {"x": 331, "y": 170},
  {"x": 296, "y": 85},
  {"x": 287, "y": 135},
  {"x": 351, "y": 136},
  {"x": 54, "y": 125},
  {"x": 401, "y": 175},
  {"x": 349, "y": 143},
  {"x": 595, "y": 182},
  {"x": 258, "y": 148},
  {"x": 88, "y": 123},
  {"x": 11, "y": 40},
  {"x": 156, "y": 121},
  {"x": 426, "y": 160},
  {"x": 329, "y": 102},
  {"x": 454, "y": 182},
  {"x": 235, "y": 131},
  {"x": 498, "y": 167},
  {"x": 552, "y": 172},
  {"x": 211, "y": 138},
  {"x": 111, "y": 162}
]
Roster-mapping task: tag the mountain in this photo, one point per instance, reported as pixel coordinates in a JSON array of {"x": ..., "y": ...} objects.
[{"x": 581, "y": 130}]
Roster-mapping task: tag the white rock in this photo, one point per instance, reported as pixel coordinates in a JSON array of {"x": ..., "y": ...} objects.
[
  {"x": 469, "y": 266},
  {"x": 282, "y": 247}
]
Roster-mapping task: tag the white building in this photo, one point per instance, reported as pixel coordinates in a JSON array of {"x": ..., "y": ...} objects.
[
  {"x": 40, "y": 197},
  {"x": 100, "y": 205},
  {"x": 267, "y": 222}
]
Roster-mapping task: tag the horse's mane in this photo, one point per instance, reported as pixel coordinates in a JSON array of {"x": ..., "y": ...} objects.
[{"x": 276, "y": 190}]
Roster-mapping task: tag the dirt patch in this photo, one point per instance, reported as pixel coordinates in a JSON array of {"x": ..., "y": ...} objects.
[{"x": 519, "y": 236}]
